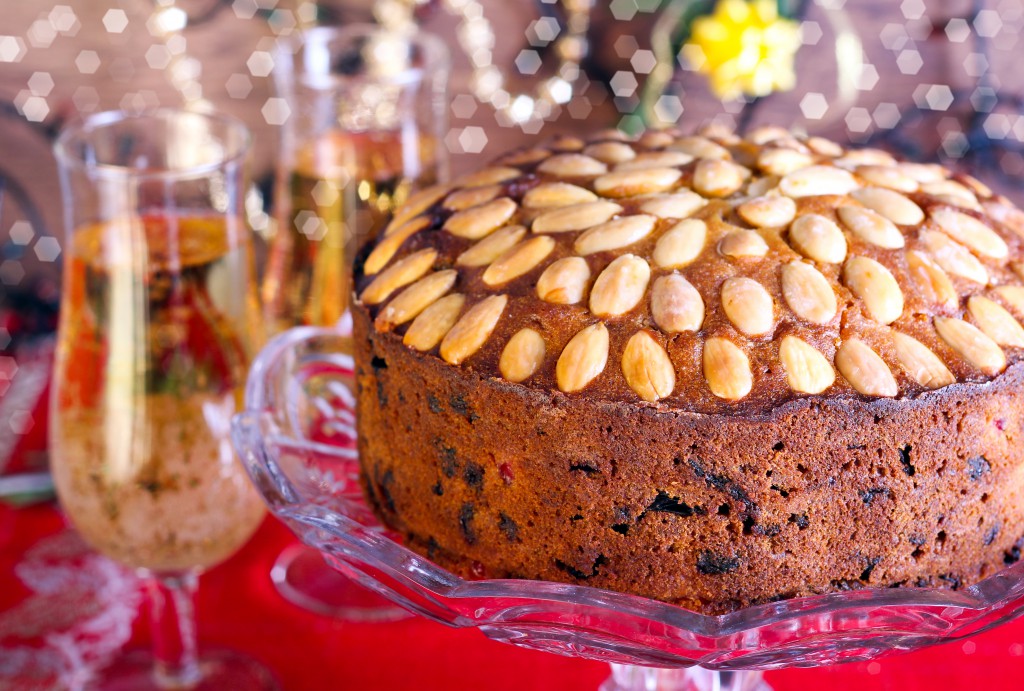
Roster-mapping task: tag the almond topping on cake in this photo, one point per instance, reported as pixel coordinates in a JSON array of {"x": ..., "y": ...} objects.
[
  {"x": 564, "y": 282},
  {"x": 747, "y": 255},
  {"x": 472, "y": 329},
  {"x": 807, "y": 370},
  {"x": 974, "y": 346},
  {"x": 647, "y": 367},
  {"x": 583, "y": 358},
  {"x": 864, "y": 369},
  {"x": 726, "y": 369},
  {"x": 522, "y": 355}
]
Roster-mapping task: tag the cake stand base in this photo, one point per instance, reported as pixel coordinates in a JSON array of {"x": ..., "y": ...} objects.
[
  {"x": 303, "y": 578},
  {"x": 632, "y": 678}
]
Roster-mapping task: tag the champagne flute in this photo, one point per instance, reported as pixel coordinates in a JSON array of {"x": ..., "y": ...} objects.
[
  {"x": 367, "y": 114},
  {"x": 158, "y": 321}
]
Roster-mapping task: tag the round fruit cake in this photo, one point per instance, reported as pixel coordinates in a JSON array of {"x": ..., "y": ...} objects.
[{"x": 712, "y": 370}]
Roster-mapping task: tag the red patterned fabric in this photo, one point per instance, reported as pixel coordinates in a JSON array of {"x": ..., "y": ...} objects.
[{"x": 238, "y": 607}]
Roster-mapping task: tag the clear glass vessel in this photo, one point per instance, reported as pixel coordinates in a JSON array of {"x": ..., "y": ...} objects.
[
  {"x": 297, "y": 439},
  {"x": 158, "y": 323},
  {"x": 366, "y": 116}
]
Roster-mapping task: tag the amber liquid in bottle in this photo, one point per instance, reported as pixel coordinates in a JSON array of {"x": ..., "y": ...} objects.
[
  {"x": 341, "y": 194},
  {"x": 155, "y": 341}
]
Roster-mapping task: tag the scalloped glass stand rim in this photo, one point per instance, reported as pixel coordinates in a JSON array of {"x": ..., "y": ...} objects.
[{"x": 289, "y": 470}]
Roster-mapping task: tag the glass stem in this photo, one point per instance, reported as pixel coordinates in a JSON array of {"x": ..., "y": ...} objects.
[{"x": 173, "y": 622}]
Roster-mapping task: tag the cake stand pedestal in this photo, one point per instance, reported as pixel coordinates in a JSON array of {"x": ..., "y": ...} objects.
[
  {"x": 306, "y": 479},
  {"x": 633, "y": 678}
]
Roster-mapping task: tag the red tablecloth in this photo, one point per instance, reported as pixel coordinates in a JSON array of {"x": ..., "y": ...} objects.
[{"x": 238, "y": 607}]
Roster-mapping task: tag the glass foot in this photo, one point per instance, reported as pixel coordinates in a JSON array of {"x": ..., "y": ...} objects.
[
  {"x": 218, "y": 670},
  {"x": 632, "y": 678},
  {"x": 305, "y": 579}
]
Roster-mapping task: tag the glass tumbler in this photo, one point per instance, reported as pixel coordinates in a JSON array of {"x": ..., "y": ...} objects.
[
  {"x": 158, "y": 321},
  {"x": 365, "y": 127}
]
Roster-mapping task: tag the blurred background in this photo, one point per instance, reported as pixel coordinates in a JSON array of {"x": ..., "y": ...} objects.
[{"x": 931, "y": 80}]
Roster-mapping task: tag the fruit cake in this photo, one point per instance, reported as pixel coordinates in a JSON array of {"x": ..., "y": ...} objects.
[{"x": 711, "y": 370}]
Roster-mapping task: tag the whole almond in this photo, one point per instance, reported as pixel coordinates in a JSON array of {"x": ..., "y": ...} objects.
[
  {"x": 748, "y": 305},
  {"x": 995, "y": 321},
  {"x": 417, "y": 203},
  {"x": 762, "y": 186},
  {"x": 612, "y": 235},
  {"x": 739, "y": 244},
  {"x": 782, "y": 161},
  {"x": 555, "y": 194},
  {"x": 583, "y": 358},
  {"x": 1014, "y": 296},
  {"x": 481, "y": 220},
  {"x": 681, "y": 244},
  {"x": 471, "y": 196},
  {"x": 954, "y": 257},
  {"x": 887, "y": 176},
  {"x": 491, "y": 247},
  {"x": 876, "y": 286},
  {"x": 564, "y": 281},
  {"x": 631, "y": 183},
  {"x": 716, "y": 178},
  {"x": 522, "y": 355},
  {"x": 572, "y": 166},
  {"x": 766, "y": 133},
  {"x": 768, "y": 212},
  {"x": 620, "y": 287},
  {"x": 610, "y": 152},
  {"x": 973, "y": 346},
  {"x": 923, "y": 172},
  {"x": 808, "y": 293},
  {"x": 865, "y": 370},
  {"x": 676, "y": 306},
  {"x": 489, "y": 176},
  {"x": 700, "y": 147},
  {"x": 414, "y": 299},
  {"x": 390, "y": 244},
  {"x": 679, "y": 204},
  {"x": 932, "y": 280},
  {"x": 807, "y": 370},
  {"x": 814, "y": 181},
  {"x": 825, "y": 147},
  {"x": 518, "y": 260},
  {"x": 726, "y": 369},
  {"x": 655, "y": 159},
  {"x": 953, "y": 192},
  {"x": 818, "y": 238},
  {"x": 656, "y": 139},
  {"x": 871, "y": 227},
  {"x": 576, "y": 217},
  {"x": 401, "y": 273},
  {"x": 971, "y": 232},
  {"x": 564, "y": 142},
  {"x": 472, "y": 329},
  {"x": 921, "y": 363},
  {"x": 865, "y": 157},
  {"x": 892, "y": 205},
  {"x": 427, "y": 330},
  {"x": 978, "y": 186},
  {"x": 525, "y": 157},
  {"x": 647, "y": 367}
]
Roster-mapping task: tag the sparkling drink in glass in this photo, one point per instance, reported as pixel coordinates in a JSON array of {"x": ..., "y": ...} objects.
[
  {"x": 366, "y": 118},
  {"x": 159, "y": 319}
]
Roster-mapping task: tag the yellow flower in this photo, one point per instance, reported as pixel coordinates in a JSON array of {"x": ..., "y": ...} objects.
[{"x": 744, "y": 48}]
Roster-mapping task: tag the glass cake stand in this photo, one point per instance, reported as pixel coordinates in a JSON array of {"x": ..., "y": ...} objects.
[{"x": 296, "y": 437}]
